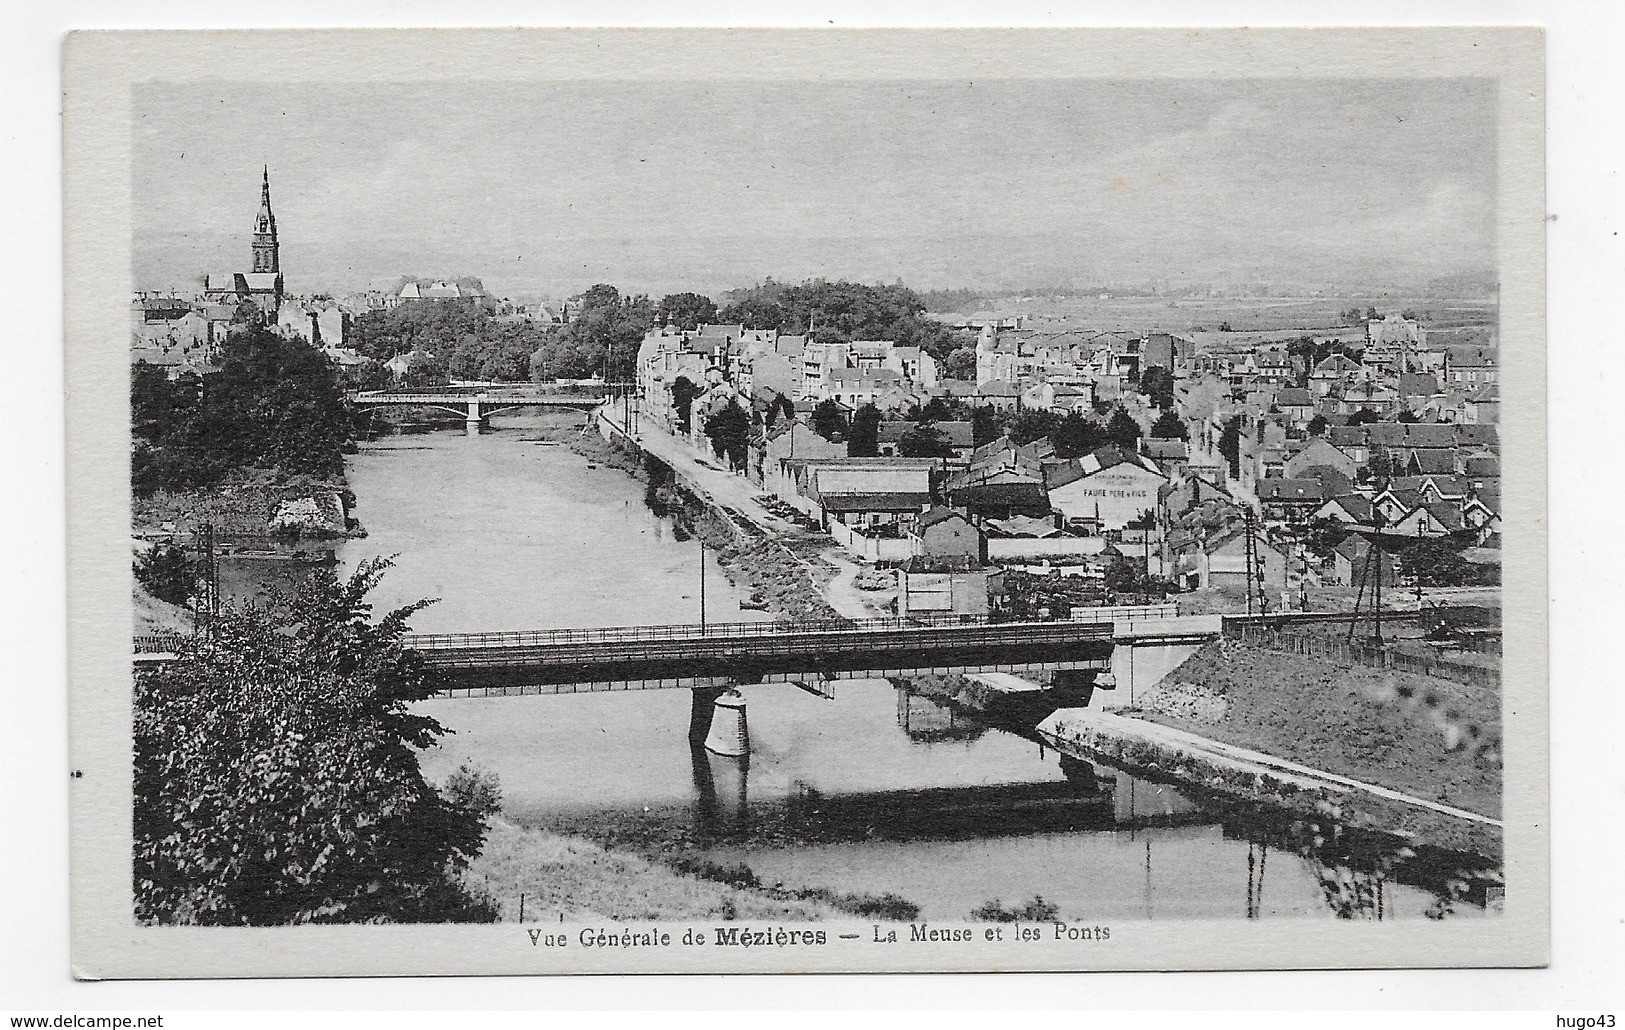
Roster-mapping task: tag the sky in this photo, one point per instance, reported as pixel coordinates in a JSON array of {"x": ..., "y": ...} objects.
[{"x": 542, "y": 189}]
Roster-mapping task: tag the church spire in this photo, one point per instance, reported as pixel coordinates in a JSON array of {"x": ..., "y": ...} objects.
[{"x": 265, "y": 242}]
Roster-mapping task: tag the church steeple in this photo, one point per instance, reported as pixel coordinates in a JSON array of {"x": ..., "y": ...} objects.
[{"x": 265, "y": 245}]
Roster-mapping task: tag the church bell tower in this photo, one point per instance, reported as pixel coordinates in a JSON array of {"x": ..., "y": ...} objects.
[{"x": 265, "y": 246}]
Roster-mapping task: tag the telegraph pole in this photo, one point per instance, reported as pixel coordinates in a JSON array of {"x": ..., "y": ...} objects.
[
  {"x": 702, "y": 584},
  {"x": 1376, "y": 543},
  {"x": 1251, "y": 560}
]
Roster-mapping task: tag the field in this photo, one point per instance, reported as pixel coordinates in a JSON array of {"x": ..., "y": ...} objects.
[{"x": 1249, "y": 315}]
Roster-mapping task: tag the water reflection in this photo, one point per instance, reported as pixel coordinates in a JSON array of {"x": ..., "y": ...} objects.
[{"x": 722, "y": 794}]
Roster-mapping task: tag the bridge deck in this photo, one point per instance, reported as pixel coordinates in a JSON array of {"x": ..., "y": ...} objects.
[
  {"x": 485, "y": 400},
  {"x": 680, "y": 656},
  {"x": 663, "y": 657}
]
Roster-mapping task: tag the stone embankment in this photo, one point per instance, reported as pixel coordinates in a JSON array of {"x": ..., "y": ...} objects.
[{"x": 779, "y": 575}]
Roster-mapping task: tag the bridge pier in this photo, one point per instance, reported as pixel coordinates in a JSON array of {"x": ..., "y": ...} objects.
[
  {"x": 472, "y": 423},
  {"x": 1139, "y": 667},
  {"x": 729, "y": 735},
  {"x": 701, "y": 706}
]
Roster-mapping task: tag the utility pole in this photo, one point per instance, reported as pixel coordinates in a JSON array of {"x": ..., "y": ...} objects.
[
  {"x": 1376, "y": 543},
  {"x": 702, "y": 584},
  {"x": 1418, "y": 569},
  {"x": 1303, "y": 577},
  {"x": 1250, "y": 559}
]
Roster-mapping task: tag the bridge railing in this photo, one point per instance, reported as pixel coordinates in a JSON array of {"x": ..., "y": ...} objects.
[{"x": 766, "y": 628}]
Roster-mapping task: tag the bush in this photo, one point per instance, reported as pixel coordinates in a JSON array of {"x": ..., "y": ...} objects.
[
  {"x": 474, "y": 788},
  {"x": 166, "y": 572},
  {"x": 1035, "y": 911},
  {"x": 277, "y": 779}
]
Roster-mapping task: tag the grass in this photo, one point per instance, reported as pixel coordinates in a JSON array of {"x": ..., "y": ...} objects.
[
  {"x": 1370, "y": 724},
  {"x": 1035, "y": 911},
  {"x": 889, "y": 907},
  {"x": 569, "y": 879}
]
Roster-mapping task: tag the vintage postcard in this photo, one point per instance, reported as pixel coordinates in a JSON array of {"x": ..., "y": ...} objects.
[{"x": 806, "y": 501}]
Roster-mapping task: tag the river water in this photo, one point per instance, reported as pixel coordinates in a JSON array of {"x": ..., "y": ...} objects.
[{"x": 877, "y": 790}]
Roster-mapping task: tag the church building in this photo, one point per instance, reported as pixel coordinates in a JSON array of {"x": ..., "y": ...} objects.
[{"x": 262, "y": 284}]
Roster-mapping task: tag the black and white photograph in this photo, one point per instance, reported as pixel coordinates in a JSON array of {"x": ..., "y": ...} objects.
[{"x": 770, "y": 503}]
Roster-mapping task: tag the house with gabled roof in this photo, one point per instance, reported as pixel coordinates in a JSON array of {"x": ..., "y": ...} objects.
[
  {"x": 1110, "y": 487},
  {"x": 1394, "y": 503},
  {"x": 1370, "y": 396},
  {"x": 1427, "y": 521},
  {"x": 1290, "y": 500},
  {"x": 1452, "y": 488},
  {"x": 1296, "y": 404},
  {"x": 1350, "y": 509},
  {"x": 1483, "y": 406},
  {"x": 1332, "y": 373},
  {"x": 1318, "y": 451},
  {"x": 944, "y": 532},
  {"x": 1469, "y": 367},
  {"x": 1481, "y": 514},
  {"x": 1352, "y": 558},
  {"x": 1428, "y": 461}
]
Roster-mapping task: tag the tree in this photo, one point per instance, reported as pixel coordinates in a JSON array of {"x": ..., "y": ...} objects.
[
  {"x": 864, "y": 441},
  {"x": 935, "y": 410},
  {"x": 1121, "y": 576},
  {"x": 828, "y": 422},
  {"x": 165, "y": 571},
  {"x": 1363, "y": 417},
  {"x": 1435, "y": 563},
  {"x": 275, "y": 404},
  {"x": 369, "y": 375},
  {"x": 1409, "y": 416},
  {"x": 425, "y": 370},
  {"x": 960, "y": 364},
  {"x": 842, "y": 311},
  {"x": 1317, "y": 425},
  {"x": 1230, "y": 445},
  {"x": 924, "y": 442},
  {"x": 754, "y": 313},
  {"x": 683, "y": 392},
  {"x": 1158, "y": 384},
  {"x": 1169, "y": 427},
  {"x": 1032, "y": 424},
  {"x": 276, "y": 772},
  {"x": 1122, "y": 430},
  {"x": 729, "y": 433},
  {"x": 984, "y": 425},
  {"x": 1077, "y": 435},
  {"x": 601, "y": 340},
  {"x": 687, "y": 311},
  {"x": 780, "y": 407}
]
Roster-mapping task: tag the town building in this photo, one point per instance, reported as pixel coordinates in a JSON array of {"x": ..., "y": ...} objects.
[{"x": 1108, "y": 488}]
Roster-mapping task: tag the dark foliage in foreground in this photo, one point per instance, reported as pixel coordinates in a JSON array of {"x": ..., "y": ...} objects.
[
  {"x": 166, "y": 572},
  {"x": 275, "y": 404},
  {"x": 276, "y": 773}
]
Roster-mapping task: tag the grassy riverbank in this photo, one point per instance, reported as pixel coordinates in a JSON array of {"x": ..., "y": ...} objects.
[
  {"x": 1433, "y": 739},
  {"x": 567, "y": 878}
]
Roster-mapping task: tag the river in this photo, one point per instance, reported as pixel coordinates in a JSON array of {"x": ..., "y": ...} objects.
[{"x": 876, "y": 790}]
